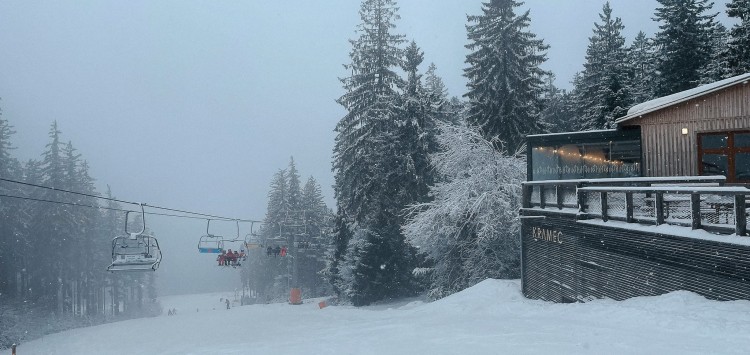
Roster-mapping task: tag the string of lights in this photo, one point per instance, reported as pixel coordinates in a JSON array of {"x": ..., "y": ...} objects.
[{"x": 589, "y": 157}]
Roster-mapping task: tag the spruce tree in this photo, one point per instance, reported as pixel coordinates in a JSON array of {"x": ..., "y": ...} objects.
[
  {"x": 370, "y": 98},
  {"x": 683, "y": 44},
  {"x": 641, "y": 58},
  {"x": 505, "y": 80},
  {"x": 718, "y": 63},
  {"x": 278, "y": 198},
  {"x": 372, "y": 165},
  {"x": 604, "y": 82},
  {"x": 8, "y": 221},
  {"x": 312, "y": 251},
  {"x": 557, "y": 114},
  {"x": 738, "y": 55},
  {"x": 437, "y": 95},
  {"x": 417, "y": 131}
]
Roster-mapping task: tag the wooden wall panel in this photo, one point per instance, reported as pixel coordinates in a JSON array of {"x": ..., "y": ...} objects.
[
  {"x": 606, "y": 262},
  {"x": 666, "y": 152}
]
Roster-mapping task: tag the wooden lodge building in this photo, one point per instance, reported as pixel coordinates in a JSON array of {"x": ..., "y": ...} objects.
[{"x": 656, "y": 205}]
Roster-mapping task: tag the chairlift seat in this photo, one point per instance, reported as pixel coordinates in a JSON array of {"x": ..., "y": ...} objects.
[
  {"x": 136, "y": 252},
  {"x": 210, "y": 244}
]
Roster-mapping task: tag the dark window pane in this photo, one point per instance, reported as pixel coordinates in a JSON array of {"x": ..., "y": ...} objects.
[
  {"x": 742, "y": 140},
  {"x": 544, "y": 163},
  {"x": 714, "y": 164},
  {"x": 624, "y": 157},
  {"x": 571, "y": 162},
  {"x": 742, "y": 166},
  {"x": 714, "y": 141}
]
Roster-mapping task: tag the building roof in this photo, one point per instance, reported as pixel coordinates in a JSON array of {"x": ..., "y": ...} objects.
[{"x": 670, "y": 100}]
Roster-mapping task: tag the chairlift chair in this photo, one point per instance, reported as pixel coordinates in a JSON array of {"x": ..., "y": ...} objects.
[
  {"x": 135, "y": 251},
  {"x": 209, "y": 243},
  {"x": 252, "y": 240}
]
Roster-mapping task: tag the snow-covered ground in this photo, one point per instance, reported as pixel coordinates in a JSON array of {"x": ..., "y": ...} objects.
[{"x": 489, "y": 318}]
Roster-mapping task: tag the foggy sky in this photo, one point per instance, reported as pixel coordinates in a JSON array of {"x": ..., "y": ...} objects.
[{"x": 195, "y": 104}]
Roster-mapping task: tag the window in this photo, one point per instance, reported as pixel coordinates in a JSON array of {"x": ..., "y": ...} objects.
[
  {"x": 725, "y": 153},
  {"x": 591, "y": 160}
]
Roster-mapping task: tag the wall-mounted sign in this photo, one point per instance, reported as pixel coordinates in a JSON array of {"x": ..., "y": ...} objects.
[{"x": 548, "y": 235}]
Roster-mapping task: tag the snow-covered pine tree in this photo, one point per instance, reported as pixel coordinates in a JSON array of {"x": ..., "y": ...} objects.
[
  {"x": 312, "y": 254},
  {"x": 471, "y": 229},
  {"x": 416, "y": 131},
  {"x": 50, "y": 238},
  {"x": 336, "y": 251},
  {"x": 437, "y": 95},
  {"x": 558, "y": 114},
  {"x": 603, "y": 90},
  {"x": 738, "y": 55},
  {"x": 262, "y": 273},
  {"x": 371, "y": 162},
  {"x": 683, "y": 44},
  {"x": 294, "y": 200},
  {"x": 641, "y": 59},
  {"x": 718, "y": 65},
  {"x": 505, "y": 79},
  {"x": 370, "y": 101},
  {"x": 8, "y": 208},
  {"x": 278, "y": 198}
]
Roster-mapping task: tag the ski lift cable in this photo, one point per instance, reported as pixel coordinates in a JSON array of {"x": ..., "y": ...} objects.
[
  {"x": 98, "y": 207},
  {"x": 128, "y": 202}
]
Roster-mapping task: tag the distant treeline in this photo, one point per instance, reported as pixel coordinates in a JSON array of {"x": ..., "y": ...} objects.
[
  {"x": 298, "y": 220},
  {"x": 53, "y": 256}
]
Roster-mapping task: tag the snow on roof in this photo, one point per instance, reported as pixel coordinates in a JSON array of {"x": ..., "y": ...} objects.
[
  {"x": 574, "y": 132},
  {"x": 666, "y": 101}
]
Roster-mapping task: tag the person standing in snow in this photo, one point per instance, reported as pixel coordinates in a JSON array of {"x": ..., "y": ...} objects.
[{"x": 227, "y": 301}]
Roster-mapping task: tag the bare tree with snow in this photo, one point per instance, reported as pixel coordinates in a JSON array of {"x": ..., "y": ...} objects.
[{"x": 471, "y": 228}]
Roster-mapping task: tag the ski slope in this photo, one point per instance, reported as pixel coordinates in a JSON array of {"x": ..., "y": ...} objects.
[{"x": 489, "y": 318}]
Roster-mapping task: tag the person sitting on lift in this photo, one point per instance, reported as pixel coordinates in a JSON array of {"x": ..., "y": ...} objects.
[
  {"x": 269, "y": 251},
  {"x": 228, "y": 259},
  {"x": 236, "y": 259},
  {"x": 277, "y": 251},
  {"x": 221, "y": 258},
  {"x": 283, "y": 251}
]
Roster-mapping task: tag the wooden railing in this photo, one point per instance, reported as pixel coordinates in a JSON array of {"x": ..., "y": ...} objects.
[{"x": 696, "y": 202}]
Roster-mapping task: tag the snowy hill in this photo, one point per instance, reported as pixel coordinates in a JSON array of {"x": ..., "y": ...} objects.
[{"x": 489, "y": 318}]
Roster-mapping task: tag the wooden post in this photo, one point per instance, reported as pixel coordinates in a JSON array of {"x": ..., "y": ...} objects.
[
  {"x": 695, "y": 207},
  {"x": 541, "y": 197},
  {"x": 659, "y": 207},
  {"x": 604, "y": 206},
  {"x": 740, "y": 218},
  {"x": 13, "y": 349},
  {"x": 581, "y": 197},
  {"x": 629, "y": 207},
  {"x": 526, "y": 197}
]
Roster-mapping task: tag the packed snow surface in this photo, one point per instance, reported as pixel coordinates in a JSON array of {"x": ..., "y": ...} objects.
[{"x": 489, "y": 318}]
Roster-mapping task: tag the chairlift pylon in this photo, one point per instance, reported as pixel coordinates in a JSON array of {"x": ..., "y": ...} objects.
[{"x": 135, "y": 251}]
